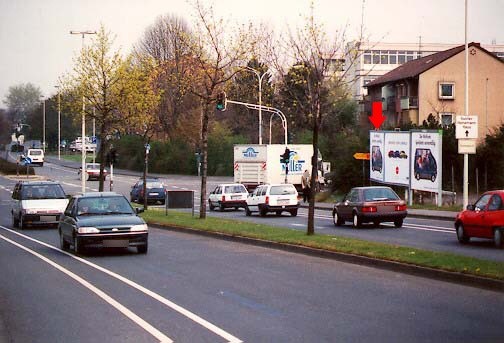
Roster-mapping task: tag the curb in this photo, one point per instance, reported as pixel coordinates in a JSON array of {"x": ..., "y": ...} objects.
[{"x": 431, "y": 273}]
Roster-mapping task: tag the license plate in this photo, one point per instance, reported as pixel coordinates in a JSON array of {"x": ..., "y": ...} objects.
[
  {"x": 115, "y": 243},
  {"x": 283, "y": 202},
  {"x": 47, "y": 218},
  {"x": 235, "y": 196}
]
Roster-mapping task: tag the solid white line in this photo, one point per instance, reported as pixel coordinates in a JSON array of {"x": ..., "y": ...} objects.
[
  {"x": 121, "y": 308},
  {"x": 211, "y": 327}
]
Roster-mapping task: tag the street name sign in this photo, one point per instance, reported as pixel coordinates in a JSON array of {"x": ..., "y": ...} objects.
[{"x": 466, "y": 146}]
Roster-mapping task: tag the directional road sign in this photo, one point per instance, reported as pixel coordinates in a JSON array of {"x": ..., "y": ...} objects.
[
  {"x": 466, "y": 127},
  {"x": 361, "y": 156}
]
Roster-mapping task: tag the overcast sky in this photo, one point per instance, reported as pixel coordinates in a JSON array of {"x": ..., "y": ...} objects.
[{"x": 36, "y": 46}]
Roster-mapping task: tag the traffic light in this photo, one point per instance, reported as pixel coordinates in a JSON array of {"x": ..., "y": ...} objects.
[
  {"x": 221, "y": 101},
  {"x": 112, "y": 156},
  {"x": 285, "y": 157}
]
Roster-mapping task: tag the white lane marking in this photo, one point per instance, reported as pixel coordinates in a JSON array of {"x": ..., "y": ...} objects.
[
  {"x": 121, "y": 308},
  {"x": 211, "y": 327}
]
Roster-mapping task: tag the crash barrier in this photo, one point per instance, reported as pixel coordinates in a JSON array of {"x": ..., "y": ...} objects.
[{"x": 179, "y": 199}]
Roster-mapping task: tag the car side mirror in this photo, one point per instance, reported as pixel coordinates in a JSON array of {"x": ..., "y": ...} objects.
[
  {"x": 470, "y": 207},
  {"x": 139, "y": 210}
]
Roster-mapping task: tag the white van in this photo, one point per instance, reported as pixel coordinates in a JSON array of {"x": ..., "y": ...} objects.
[{"x": 36, "y": 156}]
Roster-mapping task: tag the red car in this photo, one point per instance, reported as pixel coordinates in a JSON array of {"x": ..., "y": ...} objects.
[{"x": 484, "y": 219}]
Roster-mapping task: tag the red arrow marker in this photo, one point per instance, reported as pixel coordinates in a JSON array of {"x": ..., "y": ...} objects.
[{"x": 377, "y": 118}]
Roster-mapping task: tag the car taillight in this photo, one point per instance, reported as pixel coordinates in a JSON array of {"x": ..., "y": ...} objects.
[
  {"x": 400, "y": 208},
  {"x": 368, "y": 209},
  {"x": 267, "y": 200}
]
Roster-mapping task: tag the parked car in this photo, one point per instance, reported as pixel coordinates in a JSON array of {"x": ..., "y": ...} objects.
[
  {"x": 228, "y": 195},
  {"x": 36, "y": 156},
  {"x": 37, "y": 203},
  {"x": 484, "y": 219},
  {"x": 375, "y": 204},
  {"x": 93, "y": 171},
  {"x": 156, "y": 191},
  {"x": 273, "y": 198},
  {"x": 102, "y": 219}
]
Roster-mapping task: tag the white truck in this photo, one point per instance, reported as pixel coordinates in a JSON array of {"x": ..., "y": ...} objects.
[
  {"x": 76, "y": 145},
  {"x": 256, "y": 164}
]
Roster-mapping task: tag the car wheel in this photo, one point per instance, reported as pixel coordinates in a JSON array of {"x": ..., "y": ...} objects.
[
  {"x": 278, "y": 213},
  {"x": 377, "y": 223},
  {"x": 498, "y": 238},
  {"x": 294, "y": 212},
  {"x": 78, "y": 248},
  {"x": 236, "y": 208},
  {"x": 433, "y": 177},
  {"x": 417, "y": 176},
  {"x": 263, "y": 212},
  {"x": 398, "y": 223},
  {"x": 356, "y": 221},
  {"x": 221, "y": 207},
  {"x": 337, "y": 219},
  {"x": 142, "y": 249},
  {"x": 248, "y": 213},
  {"x": 461, "y": 235},
  {"x": 64, "y": 245},
  {"x": 15, "y": 221},
  {"x": 212, "y": 207},
  {"x": 22, "y": 225}
]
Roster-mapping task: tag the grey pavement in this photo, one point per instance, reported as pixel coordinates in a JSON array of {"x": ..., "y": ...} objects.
[{"x": 418, "y": 213}]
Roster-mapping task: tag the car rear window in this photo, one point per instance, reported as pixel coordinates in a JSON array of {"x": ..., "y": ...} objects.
[
  {"x": 33, "y": 192},
  {"x": 35, "y": 152},
  {"x": 377, "y": 194},
  {"x": 235, "y": 189},
  {"x": 154, "y": 184},
  {"x": 282, "y": 190}
]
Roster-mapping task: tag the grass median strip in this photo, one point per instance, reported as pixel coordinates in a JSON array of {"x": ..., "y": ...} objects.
[{"x": 419, "y": 257}]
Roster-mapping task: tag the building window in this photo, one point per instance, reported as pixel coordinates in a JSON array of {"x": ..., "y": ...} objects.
[
  {"x": 376, "y": 57},
  {"x": 446, "y": 90},
  {"x": 446, "y": 118},
  {"x": 393, "y": 59},
  {"x": 401, "y": 57},
  {"x": 367, "y": 57}
]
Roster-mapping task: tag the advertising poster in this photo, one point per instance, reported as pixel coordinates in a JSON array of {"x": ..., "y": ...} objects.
[
  {"x": 397, "y": 158},
  {"x": 426, "y": 160},
  {"x": 376, "y": 150}
]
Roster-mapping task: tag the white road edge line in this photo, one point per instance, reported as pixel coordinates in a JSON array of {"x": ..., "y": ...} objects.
[
  {"x": 211, "y": 327},
  {"x": 121, "y": 308}
]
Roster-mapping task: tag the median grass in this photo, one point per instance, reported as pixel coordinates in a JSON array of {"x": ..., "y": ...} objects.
[{"x": 424, "y": 258}]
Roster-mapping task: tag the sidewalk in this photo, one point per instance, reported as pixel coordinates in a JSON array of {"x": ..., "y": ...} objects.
[{"x": 416, "y": 213}]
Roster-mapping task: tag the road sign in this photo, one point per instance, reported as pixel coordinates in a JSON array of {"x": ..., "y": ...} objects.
[
  {"x": 361, "y": 156},
  {"x": 377, "y": 118},
  {"x": 466, "y": 146},
  {"x": 466, "y": 127}
]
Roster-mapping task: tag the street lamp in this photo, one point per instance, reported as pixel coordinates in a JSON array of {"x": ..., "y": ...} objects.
[
  {"x": 83, "y": 135},
  {"x": 260, "y": 78},
  {"x": 43, "y": 123}
]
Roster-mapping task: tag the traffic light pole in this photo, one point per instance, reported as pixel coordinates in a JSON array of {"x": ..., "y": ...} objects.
[{"x": 266, "y": 109}]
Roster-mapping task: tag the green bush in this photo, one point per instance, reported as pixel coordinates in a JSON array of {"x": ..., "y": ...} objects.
[{"x": 10, "y": 168}]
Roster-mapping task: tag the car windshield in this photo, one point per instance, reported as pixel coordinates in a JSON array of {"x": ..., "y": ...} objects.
[
  {"x": 377, "y": 194},
  {"x": 154, "y": 184},
  {"x": 283, "y": 190},
  {"x": 34, "y": 192},
  {"x": 104, "y": 206},
  {"x": 235, "y": 189},
  {"x": 92, "y": 166}
]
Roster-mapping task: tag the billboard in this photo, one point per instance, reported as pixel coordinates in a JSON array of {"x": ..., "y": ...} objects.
[
  {"x": 376, "y": 149},
  {"x": 397, "y": 158},
  {"x": 426, "y": 161}
]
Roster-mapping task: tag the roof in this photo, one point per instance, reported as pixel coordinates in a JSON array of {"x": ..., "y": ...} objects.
[
  {"x": 96, "y": 194},
  {"x": 416, "y": 67}
]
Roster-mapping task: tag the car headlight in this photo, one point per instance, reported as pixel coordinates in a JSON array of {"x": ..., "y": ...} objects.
[
  {"x": 139, "y": 227},
  {"x": 88, "y": 229}
]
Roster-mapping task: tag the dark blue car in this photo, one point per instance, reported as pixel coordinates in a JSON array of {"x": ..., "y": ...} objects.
[{"x": 156, "y": 191}]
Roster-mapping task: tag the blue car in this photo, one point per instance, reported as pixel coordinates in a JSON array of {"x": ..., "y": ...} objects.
[{"x": 156, "y": 191}]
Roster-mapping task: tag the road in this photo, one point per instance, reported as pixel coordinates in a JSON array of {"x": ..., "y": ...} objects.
[
  {"x": 197, "y": 289},
  {"x": 430, "y": 234}
]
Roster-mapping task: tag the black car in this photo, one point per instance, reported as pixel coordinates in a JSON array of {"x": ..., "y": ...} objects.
[
  {"x": 374, "y": 204},
  {"x": 102, "y": 219},
  {"x": 156, "y": 191}
]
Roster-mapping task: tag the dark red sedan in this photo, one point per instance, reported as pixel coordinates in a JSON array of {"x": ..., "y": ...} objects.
[{"x": 484, "y": 219}]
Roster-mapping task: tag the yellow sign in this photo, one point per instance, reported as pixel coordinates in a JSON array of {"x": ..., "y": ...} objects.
[{"x": 361, "y": 156}]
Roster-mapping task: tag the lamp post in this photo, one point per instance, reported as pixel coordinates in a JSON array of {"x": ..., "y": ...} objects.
[
  {"x": 43, "y": 123},
  {"x": 83, "y": 135},
  {"x": 259, "y": 78}
]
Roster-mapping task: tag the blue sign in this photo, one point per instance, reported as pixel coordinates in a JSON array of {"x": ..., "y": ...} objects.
[
  {"x": 93, "y": 139},
  {"x": 250, "y": 152},
  {"x": 25, "y": 160}
]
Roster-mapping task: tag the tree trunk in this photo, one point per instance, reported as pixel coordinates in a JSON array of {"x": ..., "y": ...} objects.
[
  {"x": 310, "y": 230},
  {"x": 204, "y": 151}
]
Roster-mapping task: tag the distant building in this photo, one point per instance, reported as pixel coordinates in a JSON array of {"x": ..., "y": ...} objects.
[
  {"x": 434, "y": 84},
  {"x": 377, "y": 59}
]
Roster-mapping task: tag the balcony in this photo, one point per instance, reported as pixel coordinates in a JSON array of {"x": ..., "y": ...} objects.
[{"x": 409, "y": 102}]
